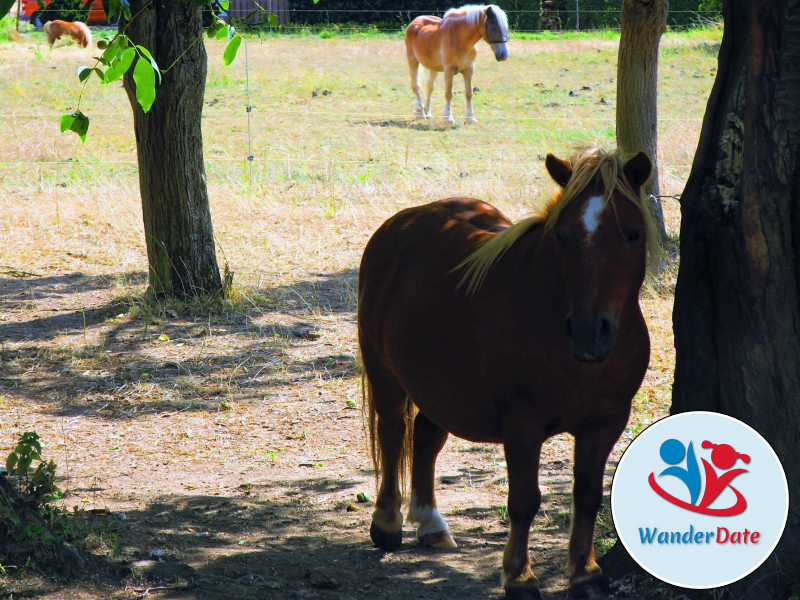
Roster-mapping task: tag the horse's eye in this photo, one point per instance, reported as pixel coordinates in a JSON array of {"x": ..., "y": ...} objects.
[{"x": 632, "y": 236}]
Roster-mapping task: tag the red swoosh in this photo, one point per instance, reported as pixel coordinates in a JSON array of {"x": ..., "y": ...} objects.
[{"x": 737, "y": 508}]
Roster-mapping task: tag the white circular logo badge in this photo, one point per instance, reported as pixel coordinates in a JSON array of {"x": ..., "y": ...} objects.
[{"x": 699, "y": 499}]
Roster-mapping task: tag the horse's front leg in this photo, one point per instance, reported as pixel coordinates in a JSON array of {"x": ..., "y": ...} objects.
[
  {"x": 470, "y": 118},
  {"x": 432, "y": 529},
  {"x": 522, "y": 449},
  {"x": 591, "y": 453},
  {"x": 449, "y": 74}
]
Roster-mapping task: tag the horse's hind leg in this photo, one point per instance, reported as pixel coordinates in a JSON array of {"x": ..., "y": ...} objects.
[
  {"x": 389, "y": 403},
  {"x": 413, "y": 69},
  {"x": 468, "y": 93},
  {"x": 432, "y": 529},
  {"x": 591, "y": 453}
]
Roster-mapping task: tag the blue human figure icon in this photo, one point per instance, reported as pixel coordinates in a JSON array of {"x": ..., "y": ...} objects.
[{"x": 672, "y": 453}]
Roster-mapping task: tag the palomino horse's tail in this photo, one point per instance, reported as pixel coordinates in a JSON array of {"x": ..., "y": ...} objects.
[{"x": 370, "y": 417}]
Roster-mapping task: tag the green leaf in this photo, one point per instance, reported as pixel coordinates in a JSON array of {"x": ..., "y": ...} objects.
[
  {"x": 126, "y": 9},
  {"x": 144, "y": 76},
  {"x": 214, "y": 28},
  {"x": 84, "y": 72},
  {"x": 117, "y": 45},
  {"x": 77, "y": 122},
  {"x": 102, "y": 44},
  {"x": 273, "y": 19},
  {"x": 231, "y": 49},
  {"x": 221, "y": 32},
  {"x": 144, "y": 51},
  {"x": 120, "y": 66},
  {"x": 224, "y": 4}
]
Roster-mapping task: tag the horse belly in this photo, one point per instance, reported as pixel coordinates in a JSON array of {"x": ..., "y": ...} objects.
[{"x": 455, "y": 401}]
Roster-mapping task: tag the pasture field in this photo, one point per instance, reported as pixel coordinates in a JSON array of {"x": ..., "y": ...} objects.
[{"x": 217, "y": 452}]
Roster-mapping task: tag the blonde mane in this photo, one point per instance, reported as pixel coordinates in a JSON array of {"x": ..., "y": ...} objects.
[
  {"x": 472, "y": 13},
  {"x": 585, "y": 166}
]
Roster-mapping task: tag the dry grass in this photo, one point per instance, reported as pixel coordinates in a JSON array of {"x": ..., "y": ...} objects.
[{"x": 83, "y": 361}]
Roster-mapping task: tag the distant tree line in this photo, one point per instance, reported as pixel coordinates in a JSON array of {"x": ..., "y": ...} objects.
[{"x": 523, "y": 15}]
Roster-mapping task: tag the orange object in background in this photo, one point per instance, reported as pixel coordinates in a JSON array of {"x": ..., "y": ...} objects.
[{"x": 30, "y": 7}]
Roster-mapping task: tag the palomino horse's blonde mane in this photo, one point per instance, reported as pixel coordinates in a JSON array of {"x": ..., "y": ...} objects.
[
  {"x": 585, "y": 166},
  {"x": 473, "y": 12}
]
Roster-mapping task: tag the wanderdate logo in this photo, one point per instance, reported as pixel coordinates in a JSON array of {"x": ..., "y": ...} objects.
[
  {"x": 699, "y": 499},
  {"x": 723, "y": 457}
]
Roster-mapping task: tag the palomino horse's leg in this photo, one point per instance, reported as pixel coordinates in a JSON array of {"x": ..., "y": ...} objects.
[
  {"x": 430, "y": 83},
  {"x": 470, "y": 118},
  {"x": 389, "y": 402},
  {"x": 591, "y": 453},
  {"x": 522, "y": 448},
  {"x": 449, "y": 73},
  {"x": 428, "y": 441},
  {"x": 413, "y": 69}
]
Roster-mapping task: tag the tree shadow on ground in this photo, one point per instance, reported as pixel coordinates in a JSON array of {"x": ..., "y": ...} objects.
[
  {"x": 86, "y": 361},
  {"x": 275, "y": 541}
]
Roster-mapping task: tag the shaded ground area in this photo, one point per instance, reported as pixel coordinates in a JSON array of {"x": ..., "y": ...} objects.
[{"x": 211, "y": 454}]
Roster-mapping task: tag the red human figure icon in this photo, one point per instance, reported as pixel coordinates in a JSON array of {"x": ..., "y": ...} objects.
[{"x": 724, "y": 457}]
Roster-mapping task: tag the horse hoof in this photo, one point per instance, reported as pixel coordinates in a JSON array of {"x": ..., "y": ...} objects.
[
  {"x": 595, "y": 588},
  {"x": 472, "y": 121},
  {"x": 523, "y": 592},
  {"x": 439, "y": 539},
  {"x": 388, "y": 541}
]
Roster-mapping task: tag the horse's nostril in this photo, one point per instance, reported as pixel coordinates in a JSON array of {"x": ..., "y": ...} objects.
[{"x": 604, "y": 329}]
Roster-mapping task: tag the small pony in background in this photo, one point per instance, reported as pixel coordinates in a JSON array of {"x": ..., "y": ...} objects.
[
  {"x": 449, "y": 45},
  {"x": 77, "y": 31}
]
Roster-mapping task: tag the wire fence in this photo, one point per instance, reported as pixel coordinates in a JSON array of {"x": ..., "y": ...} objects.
[{"x": 541, "y": 18}]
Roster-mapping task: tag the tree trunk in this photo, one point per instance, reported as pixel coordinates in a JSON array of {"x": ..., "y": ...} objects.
[
  {"x": 177, "y": 219},
  {"x": 737, "y": 312},
  {"x": 642, "y": 22}
]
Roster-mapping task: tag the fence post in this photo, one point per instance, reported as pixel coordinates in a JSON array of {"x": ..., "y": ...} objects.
[{"x": 577, "y": 15}]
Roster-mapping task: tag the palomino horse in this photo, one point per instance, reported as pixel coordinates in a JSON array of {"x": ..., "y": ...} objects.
[
  {"x": 449, "y": 45},
  {"x": 509, "y": 334}
]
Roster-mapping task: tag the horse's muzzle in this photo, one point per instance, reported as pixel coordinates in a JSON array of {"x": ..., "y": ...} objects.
[
  {"x": 590, "y": 337},
  {"x": 500, "y": 51}
]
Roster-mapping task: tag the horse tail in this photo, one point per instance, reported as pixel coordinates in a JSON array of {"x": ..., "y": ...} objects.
[{"x": 370, "y": 417}]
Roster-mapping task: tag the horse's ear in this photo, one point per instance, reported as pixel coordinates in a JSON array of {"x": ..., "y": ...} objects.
[
  {"x": 637, "y": 170},
  {"x": 490, "y": 13},
  {"x": 560, "y": 170}
]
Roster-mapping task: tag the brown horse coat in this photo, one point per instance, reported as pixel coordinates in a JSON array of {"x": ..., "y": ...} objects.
[{"x": 509, "y": 334}]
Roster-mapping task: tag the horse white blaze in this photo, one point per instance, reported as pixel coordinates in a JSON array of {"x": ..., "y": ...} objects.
[{"x": 591, "y": 214}]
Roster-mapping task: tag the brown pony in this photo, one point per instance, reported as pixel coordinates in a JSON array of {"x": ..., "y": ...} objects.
[
  {"x": 449, "y": 45},
  {"x": 509, "y": 334}
]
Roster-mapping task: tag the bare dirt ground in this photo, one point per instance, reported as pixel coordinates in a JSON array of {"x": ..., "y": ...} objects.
[{"x": 247, "y": 489}]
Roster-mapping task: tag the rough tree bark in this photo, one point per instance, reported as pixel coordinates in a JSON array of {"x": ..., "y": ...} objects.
[
  {"x": 737, "y": 303},
  {"x": 177, "y": 219},
  {"x": 642, "y": 22}
]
